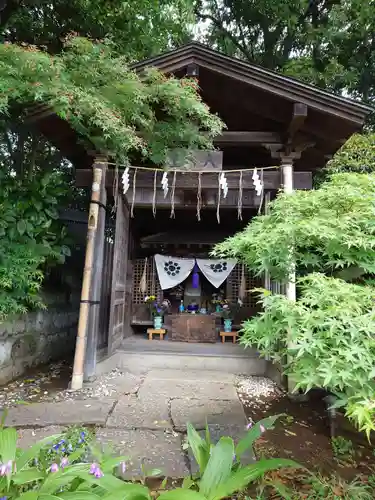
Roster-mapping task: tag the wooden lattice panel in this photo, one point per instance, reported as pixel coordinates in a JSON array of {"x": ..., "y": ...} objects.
[
  {"x": 152, "y": 281},
  {"x": 234, "y": 283}
]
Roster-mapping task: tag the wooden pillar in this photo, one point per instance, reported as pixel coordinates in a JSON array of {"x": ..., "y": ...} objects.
[
  {"x": 99, "y": 171},
  {"x": 96, "y": 289}
]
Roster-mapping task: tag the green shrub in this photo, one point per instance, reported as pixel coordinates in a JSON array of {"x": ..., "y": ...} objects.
[
  {"x": 331, "y": 230},
  {"x": 325, "y": 339},
  {"x": 31, "y": 237}
]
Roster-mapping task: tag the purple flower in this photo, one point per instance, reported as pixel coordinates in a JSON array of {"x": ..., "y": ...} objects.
[
  {"x": 3, "y": 498},
  {"x": 98, "y": 473},
  {"x": 123, "y": 467},
  {"x": 262, "y": 429},
  {"x": 54, "y": 467},
  {"x": 249, "y": 426},
  {"x": 9, "y": 467},
  {"x": 3, "y": 469},
  {"x": 93, "y": 468},
  {"x": 234, "y": 457},
  {"x": 64, "y": 462}
]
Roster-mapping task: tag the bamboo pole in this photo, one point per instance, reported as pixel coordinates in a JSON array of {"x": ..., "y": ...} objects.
[
  {"x": 290, "y": 289},
  {"x": 99, "y": 168}
]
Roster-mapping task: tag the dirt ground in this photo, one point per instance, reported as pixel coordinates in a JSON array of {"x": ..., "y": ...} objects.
[{"x": 304, "y": 435}]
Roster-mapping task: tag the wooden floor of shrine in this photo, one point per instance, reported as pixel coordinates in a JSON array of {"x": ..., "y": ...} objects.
[{"x": 140, "y": 343}]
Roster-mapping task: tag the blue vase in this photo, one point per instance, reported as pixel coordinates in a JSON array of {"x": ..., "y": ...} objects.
[
  {"x": 158, "y": 322},
  {"x": 227, "y": 325}
]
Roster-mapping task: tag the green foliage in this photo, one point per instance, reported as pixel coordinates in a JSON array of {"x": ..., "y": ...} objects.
[
  {"x": 331, "y": 230},
  {"x": 325, "y": 339},
  {"x": 75, "y": 444},
  {"x": 41, "y": 472},
  {"x": 356, "y": 155},
  {"x": 26, "y": 475},
  {"x": 138, "y": 29},
  {"x": 106, "y": 104},
  {"x": 342, "y": 447},
  {"x": 30, "y": 237},
  {"x": 304, "y": 39},
  {"x": 334, "y": 488},
  {"x": 221, "y": 472}
]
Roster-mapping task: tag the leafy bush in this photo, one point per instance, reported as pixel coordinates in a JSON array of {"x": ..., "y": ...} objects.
[
  {"x": 327, "y": 338},
  {"x": 356, "y": 155},
  {"x": 331, "y": 230},
  {"x": 30, "y": 237}
]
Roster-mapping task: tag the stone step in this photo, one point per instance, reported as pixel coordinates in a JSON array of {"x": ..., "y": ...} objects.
[{"x": 141, "y": 356}]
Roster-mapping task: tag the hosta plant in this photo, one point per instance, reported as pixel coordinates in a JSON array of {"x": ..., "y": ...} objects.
[{"x": 221, "y": 471}]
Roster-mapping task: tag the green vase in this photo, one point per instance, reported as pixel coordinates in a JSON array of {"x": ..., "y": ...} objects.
[{"x": 227, "y": 325}]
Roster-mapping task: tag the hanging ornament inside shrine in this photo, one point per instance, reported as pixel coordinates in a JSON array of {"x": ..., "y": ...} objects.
[
  {"x": 257, "y": 183},
  {"x": 195, "y": 277},
  {"x": 164, "y": 184},
  {"x": 126, "y": 180}
]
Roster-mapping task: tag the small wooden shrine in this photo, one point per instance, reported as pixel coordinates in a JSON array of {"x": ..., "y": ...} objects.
[{"x": 279, "y": 131}]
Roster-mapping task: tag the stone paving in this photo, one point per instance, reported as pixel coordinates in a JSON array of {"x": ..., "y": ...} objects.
[{"x": 146, "y": 420}]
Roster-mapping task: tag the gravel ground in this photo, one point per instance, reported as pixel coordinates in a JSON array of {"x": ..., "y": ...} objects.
[
  {"x": 257, "y": 393},
  {"x": 50, "y": 383}
]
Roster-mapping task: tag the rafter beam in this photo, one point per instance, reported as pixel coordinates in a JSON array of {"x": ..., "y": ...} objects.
[
  {"x": 233, "y": 138},
  {"x": 299, "y": 116}
]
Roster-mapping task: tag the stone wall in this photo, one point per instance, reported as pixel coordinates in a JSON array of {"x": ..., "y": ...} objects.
[{"x": 38, "y": 337}]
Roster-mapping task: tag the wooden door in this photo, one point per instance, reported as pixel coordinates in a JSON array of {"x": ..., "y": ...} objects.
[{"x": 119, "y": 271}]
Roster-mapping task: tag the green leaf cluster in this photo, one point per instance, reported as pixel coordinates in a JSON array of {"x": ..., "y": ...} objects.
[
  {"x": 109, "y": 106},
  {"x": 29, "y": 475},
  {"x": 331, "y": 230},
  {"x": 356, "y": 155},
  {"x": 30, "y": 237},
  {"x": 301, "y": 38},
  {"x": 325, "y": 339},
  {"x": 221, "y": 472}
]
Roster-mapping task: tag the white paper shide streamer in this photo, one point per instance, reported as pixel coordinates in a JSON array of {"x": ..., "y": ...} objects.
[
  {"x": 126, "y": 180},
  {"x": 164, "y": 184},
  {"x": 257, "y": 183},
  {"x": 223, "y": 184}
]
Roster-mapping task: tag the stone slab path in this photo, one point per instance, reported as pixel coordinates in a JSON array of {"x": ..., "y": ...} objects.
[{"x": 146, "y": 420}]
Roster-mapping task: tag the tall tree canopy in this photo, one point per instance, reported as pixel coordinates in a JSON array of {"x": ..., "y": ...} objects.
[
  {"x": 326, "y": 42},
  {"x": 137, "y": 29}
]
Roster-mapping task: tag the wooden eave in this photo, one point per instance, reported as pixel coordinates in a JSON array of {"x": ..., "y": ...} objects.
[{"x": 256, "y": 76}]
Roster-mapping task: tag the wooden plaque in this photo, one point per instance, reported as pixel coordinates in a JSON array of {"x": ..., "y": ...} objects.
[{"x": 209, "y": 161}]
